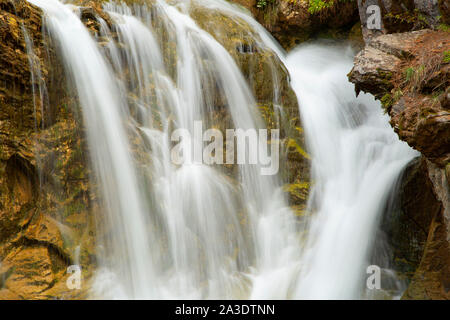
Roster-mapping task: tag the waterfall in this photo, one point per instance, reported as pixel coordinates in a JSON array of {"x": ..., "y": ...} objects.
[
  {"x": 196, "y": 230},
  {"x": 103, "y": 109},
  {"x": 175, "y": 231},
  {"x": 356, "y": 159}
]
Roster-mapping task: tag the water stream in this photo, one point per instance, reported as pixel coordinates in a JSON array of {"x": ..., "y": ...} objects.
[
  {"x": 356, "y": 158},
  {"x": 189, "y": 231}
]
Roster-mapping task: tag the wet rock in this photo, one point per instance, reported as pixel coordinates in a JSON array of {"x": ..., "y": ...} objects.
[
  {"x": 43, "y": 174},
  {"x": 32, "y": 271},
  {"x": 263, "y": 70}
]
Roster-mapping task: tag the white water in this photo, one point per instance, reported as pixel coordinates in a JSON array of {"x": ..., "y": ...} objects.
[
  {"x": 189, "y": 231},
  {"x": 356, "y": 158},
  {"x": 103, "y": 111}
]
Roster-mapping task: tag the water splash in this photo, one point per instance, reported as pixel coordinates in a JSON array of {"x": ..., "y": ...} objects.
[{"x": 357, "y": 158}]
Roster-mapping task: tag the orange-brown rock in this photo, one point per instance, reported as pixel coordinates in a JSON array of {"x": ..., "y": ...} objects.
[{"x": 44, "y": 182}]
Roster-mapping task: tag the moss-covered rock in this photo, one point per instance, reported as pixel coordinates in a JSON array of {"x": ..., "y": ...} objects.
[{"x": 264, "y": 71}]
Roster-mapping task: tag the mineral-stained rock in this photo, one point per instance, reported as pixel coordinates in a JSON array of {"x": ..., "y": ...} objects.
[
  {"x": 43, "y": 174},
  {"x": 30, "y": 271},
  {"x": 262, "y": 68}
]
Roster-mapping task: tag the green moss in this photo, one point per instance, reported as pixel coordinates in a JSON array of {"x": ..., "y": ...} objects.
[
  {"x": 74, "y": 207},
  {"x": 411, "y": 18},
  {"x": 297, "y": 190},
  {"x": 77, "y": 172},
  {"x": 319, "y": 5},
  {"x": 397, "y": 95},
  {"x": 299, "y": 149},
  {"x": 262, "y": 4},
  {"x": 316, "y": 6},
  {"x": 446, "y": 58},
  {"x": 386, "y": 75},
  {"x": 409, "y": 73},
  {"x": 387, "y": 101},
  {"x": 444, "y": 27}
]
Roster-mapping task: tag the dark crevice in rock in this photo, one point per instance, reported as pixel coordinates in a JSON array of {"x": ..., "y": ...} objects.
[{"x": 55, "y": 251}]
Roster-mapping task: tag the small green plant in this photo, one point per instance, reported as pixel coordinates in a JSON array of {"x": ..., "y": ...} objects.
[
  {"x": 318, "y": 5},
  {"x": 262, "y": 4},
  {"x": 409, "y": 73},
  {"x": 414, "y": 77},
  {"x": 444, "y": 27},
  {"x": 386, "y": 101},
  {"x": 397, "y": 95},
  {"x": 446, "y": 57}
]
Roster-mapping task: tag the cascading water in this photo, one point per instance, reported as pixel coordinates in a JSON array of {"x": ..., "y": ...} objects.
[
  {"x": 209, "y": 252},
  {"x": 356, "y": 158},
  {"x": 189, "y": 231},
  {"x": 103, "y": 111}
]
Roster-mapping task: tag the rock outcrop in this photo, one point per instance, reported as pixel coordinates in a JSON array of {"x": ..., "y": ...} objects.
[
  {"x": 293, "y": 22},
  {"x": 390, "y": 16},
  {"x": 46, "y": 220},
  {"x": 410, "y": 73}
]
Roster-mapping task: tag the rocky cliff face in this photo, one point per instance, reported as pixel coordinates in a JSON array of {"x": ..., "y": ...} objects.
[
  {"x": 45, "y": 196},
  {"x": 410, "y": 73}
]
